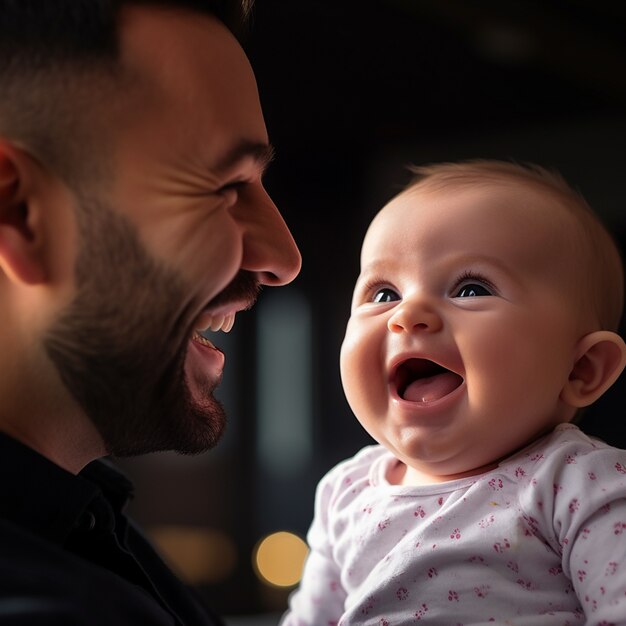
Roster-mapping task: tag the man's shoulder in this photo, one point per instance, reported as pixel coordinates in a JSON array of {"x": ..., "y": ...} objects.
[{"x": 41, "y": 583}]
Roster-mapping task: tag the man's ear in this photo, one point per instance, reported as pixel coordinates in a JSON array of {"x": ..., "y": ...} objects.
[
  {"x": 601, "y": 357},
  {"x": 21, "y": 257}
]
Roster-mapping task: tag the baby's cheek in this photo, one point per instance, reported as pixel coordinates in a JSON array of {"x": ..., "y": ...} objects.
[
  {"x": 350, "y": 359},
  {"x": 362, "y": 372}
]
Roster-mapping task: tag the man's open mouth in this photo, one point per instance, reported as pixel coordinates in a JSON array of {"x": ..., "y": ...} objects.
[
  {"x": 421, "y": 380},
  {"x": 201, "y": 339},
  {"x": 212, "y": 324}
]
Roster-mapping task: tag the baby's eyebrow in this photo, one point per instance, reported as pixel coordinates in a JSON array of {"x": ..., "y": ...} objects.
[
  {"x": 374, "y": 271},
  {"x": 383, "y": 266},
  {"x": 470, "y": 259},
  {"x": 373, "y": 267}
]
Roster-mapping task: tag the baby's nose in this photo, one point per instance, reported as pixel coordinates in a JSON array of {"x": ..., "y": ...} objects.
[{"x": 415, "y": 314}]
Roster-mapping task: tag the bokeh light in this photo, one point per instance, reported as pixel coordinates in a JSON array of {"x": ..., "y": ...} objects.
[
  {"x": 279, "y": 558},
  {"x": 199, "y": 555}
]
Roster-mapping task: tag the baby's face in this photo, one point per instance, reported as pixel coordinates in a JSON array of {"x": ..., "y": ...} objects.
[{"x": 463, "y": 328}]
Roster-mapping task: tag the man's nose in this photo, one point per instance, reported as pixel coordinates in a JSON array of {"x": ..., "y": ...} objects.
[
  {"x": 269, "y": 250},
  {"x": 415, "y": 314}
]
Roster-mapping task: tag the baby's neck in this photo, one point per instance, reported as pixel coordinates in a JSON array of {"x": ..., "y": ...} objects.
[
  {"x": 402, "y": 474},
  {"x": 405, "y": 475}
]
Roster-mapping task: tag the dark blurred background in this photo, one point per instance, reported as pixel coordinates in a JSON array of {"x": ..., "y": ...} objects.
[{"x": 352, "y": 93}]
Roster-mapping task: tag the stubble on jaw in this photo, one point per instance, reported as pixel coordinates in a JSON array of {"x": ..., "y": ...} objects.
[{"x": 120, "y": 345}]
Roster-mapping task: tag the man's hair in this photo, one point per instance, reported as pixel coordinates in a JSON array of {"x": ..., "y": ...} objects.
[
  {"x": 59, "y": 59},
  {"x": 594, "y": 244}
]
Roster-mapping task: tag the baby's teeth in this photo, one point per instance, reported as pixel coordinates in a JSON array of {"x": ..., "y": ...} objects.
[{"x": 216, "y": 323}]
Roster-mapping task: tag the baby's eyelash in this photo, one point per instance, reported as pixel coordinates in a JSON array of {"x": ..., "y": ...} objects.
[
  {"x": 374, "y": 284},
  {"x": 471, "y": 275}
]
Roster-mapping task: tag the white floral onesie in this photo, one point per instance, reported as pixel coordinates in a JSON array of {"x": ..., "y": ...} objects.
[{"x": 539, "y": 541}]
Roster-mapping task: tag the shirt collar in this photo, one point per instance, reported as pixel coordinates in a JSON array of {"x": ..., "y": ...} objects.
[{"x": 39, "y": 496}]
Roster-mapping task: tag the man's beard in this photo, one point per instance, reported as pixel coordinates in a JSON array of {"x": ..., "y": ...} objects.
[{"x": 120, "y": 345}]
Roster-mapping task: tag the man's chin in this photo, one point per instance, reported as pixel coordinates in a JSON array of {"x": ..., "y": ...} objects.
[
  {"x": 191, "y": 425},
  {"x": 205, "y": 422}
]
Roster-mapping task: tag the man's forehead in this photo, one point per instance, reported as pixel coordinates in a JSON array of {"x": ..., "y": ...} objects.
[
  {"x": 191, "y": 90},
  {"x": 160, "y": 37}
]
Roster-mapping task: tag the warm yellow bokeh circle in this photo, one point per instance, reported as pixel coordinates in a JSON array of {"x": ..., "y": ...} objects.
[{"x": 279, "y": 558}]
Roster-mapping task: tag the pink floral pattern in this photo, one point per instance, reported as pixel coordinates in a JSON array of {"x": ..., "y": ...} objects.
[{"x": 476, "y": 550}]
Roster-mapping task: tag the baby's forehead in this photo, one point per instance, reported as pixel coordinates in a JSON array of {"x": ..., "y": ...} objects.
[
  {"x": 534, "y": 230},
  {"x": 495, "y": 203},
  {"x": 513, "y": 224}
]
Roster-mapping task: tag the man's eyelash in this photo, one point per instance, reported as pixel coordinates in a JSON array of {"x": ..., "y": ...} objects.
[{"x": 236, "y": 184}]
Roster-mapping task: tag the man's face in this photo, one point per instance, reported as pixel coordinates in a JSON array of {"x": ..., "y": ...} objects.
[
  {"x": 179, "y": 240},
  {"x": 463, "y": 329}
]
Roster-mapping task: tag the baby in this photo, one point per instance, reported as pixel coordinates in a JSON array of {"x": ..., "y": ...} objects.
[{"x": 483, "y": 320}]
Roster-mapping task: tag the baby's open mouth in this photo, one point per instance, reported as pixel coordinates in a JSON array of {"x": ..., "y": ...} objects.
[{"x": 421, "y": 380}]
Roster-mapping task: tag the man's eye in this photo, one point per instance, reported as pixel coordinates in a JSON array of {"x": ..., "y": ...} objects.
[
  {"x": 471, "y": 290},
  {"x": 236, "y": 187},
  {"x": 385, "y": 295}
]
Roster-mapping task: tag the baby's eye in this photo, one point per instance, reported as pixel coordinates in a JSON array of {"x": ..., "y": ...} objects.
[
  {"x": 385, "y": 295},
  {"x": 471, "y": 290},
  {"x": 471, "y": 284}
]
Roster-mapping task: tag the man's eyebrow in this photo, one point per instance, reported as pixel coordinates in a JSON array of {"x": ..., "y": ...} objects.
[{"x": 261, "y": 153}]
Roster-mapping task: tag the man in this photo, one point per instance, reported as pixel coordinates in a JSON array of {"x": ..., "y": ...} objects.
[{"x": 132, "y": 216}]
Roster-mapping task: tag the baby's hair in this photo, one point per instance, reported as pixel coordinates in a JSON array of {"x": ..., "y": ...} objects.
[{"x": 602, "y": 257}]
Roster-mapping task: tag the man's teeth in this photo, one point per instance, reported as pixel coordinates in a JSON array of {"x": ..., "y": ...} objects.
[
  {"x": 203, "y": 340},
  {"x": 222, "y": 322}
]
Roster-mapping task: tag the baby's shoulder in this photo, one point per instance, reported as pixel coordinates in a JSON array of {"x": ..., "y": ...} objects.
[
  {"x": 567, "y": 456},
  {"x": 563, "y": 480},
  {"x": 358, "y": 466},
  {"x": 567, "y": 446},
  {"x": 354, "y": 474}
]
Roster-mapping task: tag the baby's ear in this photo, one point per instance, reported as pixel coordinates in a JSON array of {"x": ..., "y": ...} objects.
[{"x": 601, "y": 357}]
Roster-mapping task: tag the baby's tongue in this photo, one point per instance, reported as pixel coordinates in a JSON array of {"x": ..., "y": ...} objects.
[{"x": 432, "y": 388}]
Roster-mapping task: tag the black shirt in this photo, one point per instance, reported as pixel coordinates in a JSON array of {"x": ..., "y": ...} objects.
[{"x": 69, "y": 555}]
